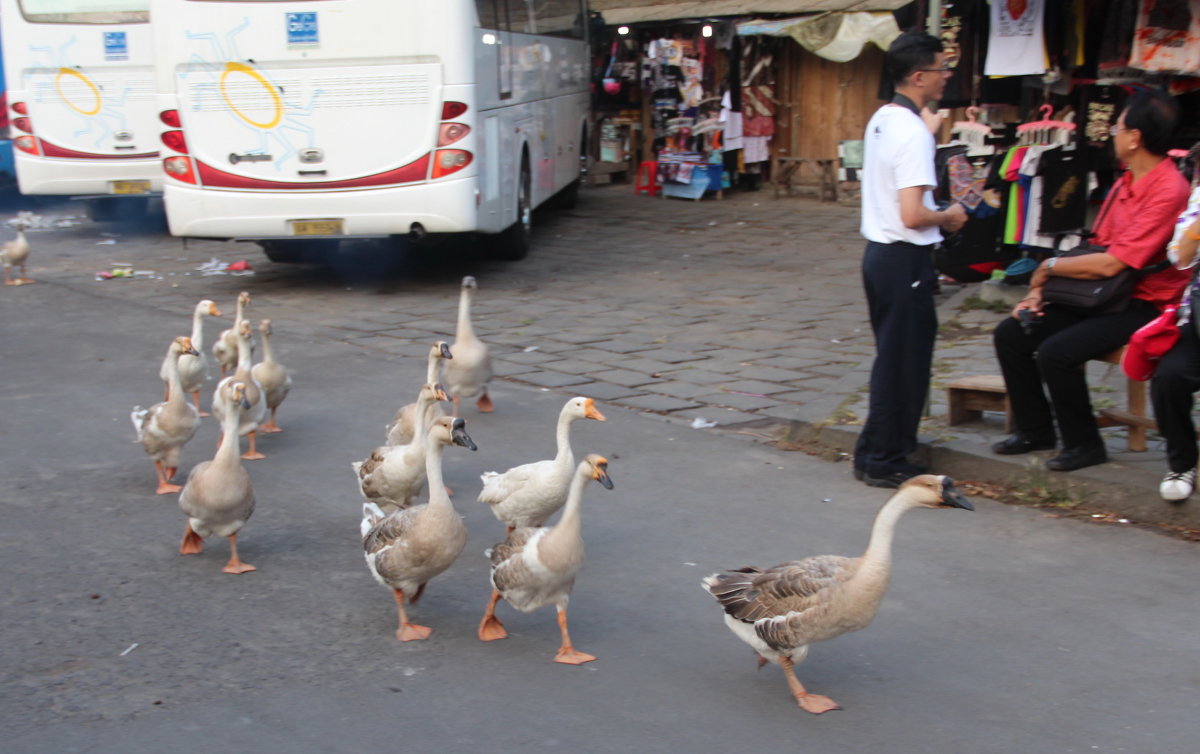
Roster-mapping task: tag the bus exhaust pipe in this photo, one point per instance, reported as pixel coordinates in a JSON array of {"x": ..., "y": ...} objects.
[{"x": 417, "y": 232}]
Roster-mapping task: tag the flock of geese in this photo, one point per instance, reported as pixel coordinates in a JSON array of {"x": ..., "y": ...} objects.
[{"x": 778, "y": 611}]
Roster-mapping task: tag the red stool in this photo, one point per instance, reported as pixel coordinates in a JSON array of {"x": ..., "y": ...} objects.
[{"x": 647, "y": 179}]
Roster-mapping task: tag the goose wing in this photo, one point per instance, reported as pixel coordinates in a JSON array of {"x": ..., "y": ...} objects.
[
  {"x": 389, "y": 530},
  {"x": 499, "y": 487},
  {"x": 782, "y": 599}
]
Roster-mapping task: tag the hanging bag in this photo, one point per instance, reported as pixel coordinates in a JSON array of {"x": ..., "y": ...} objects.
[
  {"x": 1149, "y": 344},
  {"x": 1103, "y": 296},
  {"x": 611, "y": 85}
]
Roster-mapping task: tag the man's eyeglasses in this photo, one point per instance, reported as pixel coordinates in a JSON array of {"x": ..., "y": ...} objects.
[
  {"x": 1116, "y": 130},
  {"x": 945, "y": 69}
]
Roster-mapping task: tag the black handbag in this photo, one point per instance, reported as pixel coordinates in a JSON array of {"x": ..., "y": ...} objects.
[{"x": 1101, "y": 296}]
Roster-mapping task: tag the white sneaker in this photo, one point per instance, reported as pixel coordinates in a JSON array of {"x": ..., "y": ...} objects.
[{"x": 1178, "y": 485}]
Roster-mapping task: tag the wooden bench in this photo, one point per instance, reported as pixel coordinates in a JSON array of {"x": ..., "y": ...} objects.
[
  {"x": 784, "y": 170},
  {"x": 968, "y": 397}
]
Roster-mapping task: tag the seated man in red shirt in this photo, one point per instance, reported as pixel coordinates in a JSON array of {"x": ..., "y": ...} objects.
[{"x": 1135, "y": 225}]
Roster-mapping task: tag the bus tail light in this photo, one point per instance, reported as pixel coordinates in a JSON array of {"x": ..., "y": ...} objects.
[
  {"x": 20, "y": 108},
  {"x": 24, "y": 124},
  {"x": 170, "y": 118},
  {"x": 28, "y": 144},
  {"x": 451, "y": 110},
  {"x": 447, "y": 161},
  {"x": 180, "y": 168},
  {"x": 175, "y": 140},
  {"x": 452, "y": 132}
]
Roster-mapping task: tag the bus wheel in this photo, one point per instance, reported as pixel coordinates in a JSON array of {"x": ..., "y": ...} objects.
[{"x": 513, "y": 244}]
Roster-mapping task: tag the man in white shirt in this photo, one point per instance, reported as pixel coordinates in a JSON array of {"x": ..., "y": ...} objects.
[{"x": 901, "y": 224}]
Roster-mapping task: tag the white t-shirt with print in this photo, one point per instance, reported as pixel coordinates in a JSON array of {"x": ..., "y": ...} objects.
[{"x": 898, "y": 152}]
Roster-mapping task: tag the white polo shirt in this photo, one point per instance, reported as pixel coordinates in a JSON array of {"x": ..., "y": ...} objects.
[{"x": 898, "y": 152}]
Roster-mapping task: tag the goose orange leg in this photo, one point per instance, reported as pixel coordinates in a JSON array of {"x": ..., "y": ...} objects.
[
  {"x": 456, "y": 401},
  {"x": 814, "y": 703},
  {"x": 196, "y": 402},
  {"x": 164, "y": 480},
  {"x": 490, "y": 628},
  {"x": 270, "y": 426},
  {"x": 567, "y": 654},
  {"x": 252, "y": 453},
  {"x": 484, "y": 404},
  {"x": 236, "y": 566},
  {"x": 408, "y": 631},
  {"x": 192, "y": 544}
]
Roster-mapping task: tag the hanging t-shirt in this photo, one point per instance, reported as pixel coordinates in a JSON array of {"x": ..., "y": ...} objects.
[
  {"x": 1064, "y": 191},
  {"x": 1165, "y": 38},
  {"x": 1016, "y": 46}
]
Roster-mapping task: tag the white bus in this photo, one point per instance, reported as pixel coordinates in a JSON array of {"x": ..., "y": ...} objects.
[
  {"x": 293, "y": 121},
  {"x": 80, "y": 79}
]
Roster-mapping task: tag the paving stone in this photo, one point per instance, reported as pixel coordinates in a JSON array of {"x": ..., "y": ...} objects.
[
  {"x": 662, "y": 403},
  {"x": 734, "y": 400},
  {"x": 607, "y": 391},
  {"x": 678, "y": 389},
  {"x": 548, "y": 378},
  {"x": 624, "y": 377}
]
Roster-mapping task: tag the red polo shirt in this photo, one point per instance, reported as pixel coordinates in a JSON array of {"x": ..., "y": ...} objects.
[{"x": 1137, "y": 225}]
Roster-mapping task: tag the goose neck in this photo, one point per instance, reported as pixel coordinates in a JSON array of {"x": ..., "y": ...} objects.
[
  {"x": 268, "y": 352},
  {"x": 879, "y": 549},
  {"x": 464, "y": 316},
  {"x": 174, "y": 382},
  {"x": 569, "y": 527},
  {"x": 198, "y": 329},
  {"x": 243, "y": 355},
  {"x": 562, "y": 439},
  {"x": 438, "y": 499},
  {"x": 227, "y": 454}
]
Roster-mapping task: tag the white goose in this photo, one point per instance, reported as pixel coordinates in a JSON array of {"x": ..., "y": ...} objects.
[
  {"x": 164, "y": 428},
  {"x": 402, "y": 427},
  {"x": 469, "y": 372},
  {"x": 193, "y": 369},
  {"x": 537, "y": 566},
  {"x": 529, "y": 494},
  {"x": 225, "y": 350},
  {"x": 780, "y": 611},
  {"x": 218, "y": 498},
  {"x": 406, "y": 549},
  {"x": 393, "y": 475},
  {"x": 275, "y": 379},
  {"x": 255, "y": 412},
  {"x": 15, "y": 253}
]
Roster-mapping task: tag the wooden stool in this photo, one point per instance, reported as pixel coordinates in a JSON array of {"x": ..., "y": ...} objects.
[
  {"x": 647, "y": 179},
  {"x": 1134, "y": 416},
  {"x": 969, "y": 397}
]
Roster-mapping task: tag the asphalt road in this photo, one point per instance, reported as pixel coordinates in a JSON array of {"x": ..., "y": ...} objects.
[{"x": 1004, "y": 630}]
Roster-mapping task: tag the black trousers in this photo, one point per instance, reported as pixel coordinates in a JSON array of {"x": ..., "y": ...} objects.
[
  {"x": 898, "y": 279},
  {"x": 1175, "y": 380},
  {"x": 1056, "y": 353}
]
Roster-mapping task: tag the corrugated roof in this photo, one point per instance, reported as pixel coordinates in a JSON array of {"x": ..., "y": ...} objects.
[{"x": 626, "y": 12}]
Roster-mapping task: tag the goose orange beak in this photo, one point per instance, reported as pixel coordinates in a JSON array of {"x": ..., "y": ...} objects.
[{"x": 591, "y": 412}]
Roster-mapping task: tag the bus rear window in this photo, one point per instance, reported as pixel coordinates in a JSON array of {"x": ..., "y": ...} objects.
[{"x": 86, "y": 11}]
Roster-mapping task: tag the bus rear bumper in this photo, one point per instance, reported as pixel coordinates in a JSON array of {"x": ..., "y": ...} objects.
[
  {"x": 38, "y": 175},
  {"x": 443, "y": 207}
]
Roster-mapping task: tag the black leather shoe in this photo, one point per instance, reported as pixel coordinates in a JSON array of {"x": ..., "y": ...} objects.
[
  {"x": 1077, "y": 458},
  {"x": 890, "y": 481},
  {"x": 1017, "y": 444}
]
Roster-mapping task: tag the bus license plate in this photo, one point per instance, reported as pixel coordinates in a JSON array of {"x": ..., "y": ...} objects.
[
  {"x": 317, "y": 227},
  {"x": 131, "y": 187}
]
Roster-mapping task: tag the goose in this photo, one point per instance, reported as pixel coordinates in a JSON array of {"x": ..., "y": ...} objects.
[
  {"x": 393, "y": 475},
  {"x": 469, "y": 372},
  {"x": 15, "y": 253},
  {"x": 255, "y": 412},
  {"x": 780, "y": 611},
  {"x": 193, "y": 370},
  {"x": 529, "y": 494},
  {"x": 275, "y": 379},
  {"x": 225, "y": 349},
  {"x": 536, "y": 566},
  {"x": 400, "y": 430},
  {"x": 217, "y": 497},
  {"x": 164, "y": 428},
  {"x": 407, "y": 548}
]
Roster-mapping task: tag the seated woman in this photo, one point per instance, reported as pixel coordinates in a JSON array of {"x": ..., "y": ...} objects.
[
  {"x": 1178, "y": 374},
  {"x": 1135, "y": 226}
]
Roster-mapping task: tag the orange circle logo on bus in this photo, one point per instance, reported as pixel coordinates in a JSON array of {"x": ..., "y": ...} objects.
[
  {"x": 233, "y": 67},
  {"x": 65, "y": 72}
]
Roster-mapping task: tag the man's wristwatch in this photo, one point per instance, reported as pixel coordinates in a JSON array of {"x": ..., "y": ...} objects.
[{"x": 1050, "y": 265}]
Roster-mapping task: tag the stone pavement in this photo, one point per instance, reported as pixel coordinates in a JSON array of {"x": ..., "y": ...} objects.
[{"x": 746, "y": 311}]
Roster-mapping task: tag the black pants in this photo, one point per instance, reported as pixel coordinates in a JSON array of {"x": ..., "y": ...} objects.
[
  {"x": 898, "y": 279},
  {"x": 1056, "y": 353},
  {"x": 1175, "y": 380}
]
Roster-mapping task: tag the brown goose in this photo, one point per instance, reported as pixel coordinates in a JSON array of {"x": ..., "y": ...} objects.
[
  {"x": 164, "y": 428},
  {"x": 193, "y": 370},
  {"x": 273, "y": 377},
  {"x": 406, "y": 549},
  {"x": 15, "y": 253},
  {"x": 537, "y": 566},
  {"x": 469, "y": 372},
  {"x": 218, "y": 498},
  {"x": 402, "y": 427},
  {"x": 779, "y": 611},
  {"x": 393, "y": 475},
  {"x": 225, "y": 350},
  {"x": 256, "y": 411}
]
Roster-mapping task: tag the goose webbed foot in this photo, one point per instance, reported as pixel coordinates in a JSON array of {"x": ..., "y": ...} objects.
[{"x": 484, "y": 404}]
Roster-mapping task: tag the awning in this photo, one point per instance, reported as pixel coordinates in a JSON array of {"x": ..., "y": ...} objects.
[
  {"x": 618, "y": 12},
  {"x": 839, "y": 37}
]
